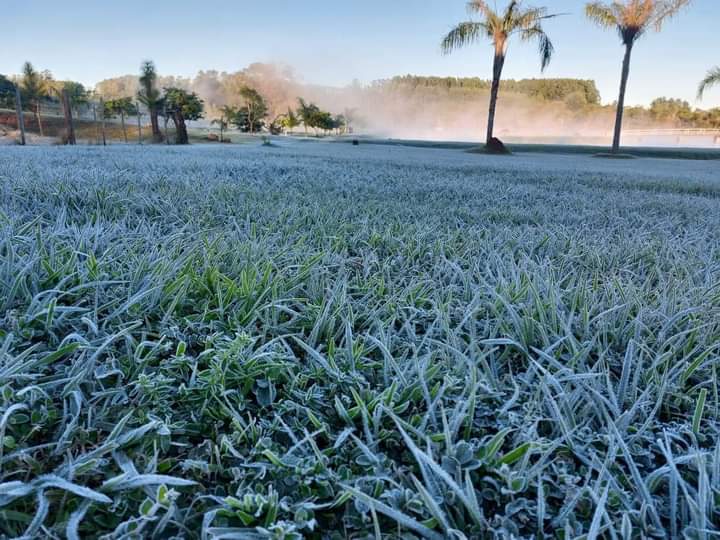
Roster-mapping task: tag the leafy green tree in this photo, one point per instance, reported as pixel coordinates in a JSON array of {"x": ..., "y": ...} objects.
[
  {"x": 307, "y": 112},
  {"x": 500, "y": 27},
  {"x": 36, "y": 87},
  {"x": 632, "y": 19},
  {"x": 182, "y": 106},
  {"x": 665, "y": 109},
  {"x": 150, "y": 96},
  {"x": 322, "y": 120},
  {"x": 711, "y": 79},
  {"x": 77, "y": 93},
  {"x": 120, "y": 107},
  {"x": 251, "y": 115}
]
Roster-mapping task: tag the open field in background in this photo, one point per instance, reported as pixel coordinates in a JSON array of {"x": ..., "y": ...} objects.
[{"x": 270, "y": 342}]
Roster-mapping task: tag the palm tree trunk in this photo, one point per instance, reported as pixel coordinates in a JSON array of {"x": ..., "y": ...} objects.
[
  {"x": 621, "y": 99},
  {"x": 498, "y": 64},
  {"x": 39, "y": 120}
]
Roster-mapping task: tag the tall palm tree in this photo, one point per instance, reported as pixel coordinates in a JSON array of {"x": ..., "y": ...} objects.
[
  {"x": 36, "y": 86},
  {"x": 711, "y": 79},
  {"x": 632, "y": 19},
  {"x": 150, "y": 96},
  {"x": 499, "y": 28}
]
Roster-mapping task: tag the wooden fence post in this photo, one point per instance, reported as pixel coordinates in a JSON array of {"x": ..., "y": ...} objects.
[
  {"x": 97, "y": 128},
  {"x": 20, "y": 119}
]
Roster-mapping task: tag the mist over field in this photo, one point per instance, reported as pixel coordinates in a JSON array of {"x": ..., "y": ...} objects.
[{"x": 432, "y": 108}]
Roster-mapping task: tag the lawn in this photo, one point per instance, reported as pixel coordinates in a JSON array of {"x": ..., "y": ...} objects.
[{"x": 316, "y": 340}]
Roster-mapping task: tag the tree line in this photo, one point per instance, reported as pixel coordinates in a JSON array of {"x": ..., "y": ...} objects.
[{"x": 170, "y": 103}]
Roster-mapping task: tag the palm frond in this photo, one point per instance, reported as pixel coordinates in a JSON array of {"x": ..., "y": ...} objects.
[
  {"x": 711, "y": 79},
  {"x": 545, "y": 46},
  {"x": 480, "y": 6},
  {"x": 463, "y": 34},
  {"x": 601, "y": 14},
  {"x": 666, "y": 9}
]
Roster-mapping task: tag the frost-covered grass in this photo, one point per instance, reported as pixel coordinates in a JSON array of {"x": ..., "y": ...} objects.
[{"x": 327, "y": 341}]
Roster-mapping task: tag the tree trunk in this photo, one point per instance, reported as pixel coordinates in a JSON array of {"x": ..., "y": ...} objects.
[
  {"x": 181, "y": 135},
  {"x": 122, "y": 121},
  {"x": 39, "y": 120},
  {"x": 155, "y": 124},
  {"x": 67, "y": 112},
  {"x": 621, "y": 98},
  {"x": 498, "y": 64}
]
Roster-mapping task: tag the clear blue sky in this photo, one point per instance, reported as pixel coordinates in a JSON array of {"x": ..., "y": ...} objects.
[{"x": 335, "y": 41}]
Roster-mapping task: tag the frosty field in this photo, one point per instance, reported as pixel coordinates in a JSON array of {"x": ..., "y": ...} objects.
[{"x": 315, "y": 340}]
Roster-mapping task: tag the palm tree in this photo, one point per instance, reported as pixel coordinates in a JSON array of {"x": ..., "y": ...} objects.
[
  {"x": 150, "y": 96},
  {"x": 516, "y": 19},
  {"x": 711, "y": 79},
  {"x": 306, "y": 112},
  {"x": 36, "y": 87},
  {"x": 632, "y": 19}
]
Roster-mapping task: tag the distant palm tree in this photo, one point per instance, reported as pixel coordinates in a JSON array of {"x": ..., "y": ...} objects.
[
  {"x": 36, "y": 86},
  {"x": 711, "y": 79},
  {"x": 632, "y": 19},
  {"x": 516, "y": 19},
  {"x": 150, "y": 96}
]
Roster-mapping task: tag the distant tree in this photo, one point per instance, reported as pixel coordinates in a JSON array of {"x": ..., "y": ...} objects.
[
  {"x": 322, "y": 120},
  {"x": 251, "y": 115},
  {"x": 339, "y": 123},
  {"x": 182, "y": 106},
  {"x": 150, "y": 96},
  {"x": 7, "y": 92},
  {"x": 120, "y": 107},
  {"x": 290, "y": 120},
  {"x": 516, "y": 19},
  {"x": 78, "y": 94},
  {"x": 632, "y": 19},
  {"x": 227, "y": 114},
  {"x": 711, "y": 79},
  {"x": 665, "y": 109},
  {"x": 307, "y": 112},
  {"x": 36, "y": 87}
]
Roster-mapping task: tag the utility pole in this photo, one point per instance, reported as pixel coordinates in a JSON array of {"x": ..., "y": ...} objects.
[
  {"x": 20, "y": 119},
  {"x": 69, "y": 128}
]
